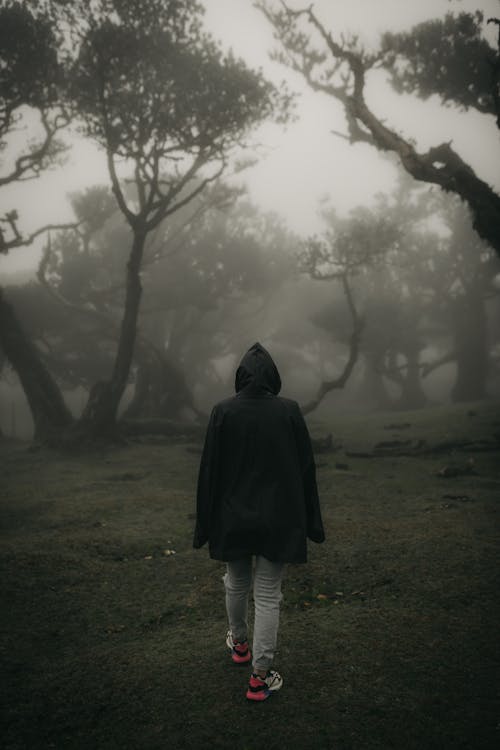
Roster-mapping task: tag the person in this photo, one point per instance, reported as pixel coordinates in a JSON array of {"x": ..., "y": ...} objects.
[{"x": 257, "y": 499}]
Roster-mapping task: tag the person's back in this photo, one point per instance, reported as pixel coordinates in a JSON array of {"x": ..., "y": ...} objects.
[{"x": 257, "y": 496}]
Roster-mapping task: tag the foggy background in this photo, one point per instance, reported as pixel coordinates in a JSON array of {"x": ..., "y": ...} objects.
[
  {"x": 228, "y": 202},
  {"x": 244, "y": 275}
]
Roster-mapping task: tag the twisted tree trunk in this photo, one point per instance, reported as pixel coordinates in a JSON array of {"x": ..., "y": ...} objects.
[
  {"x": 471, "y": 348},
  {"x": 161, "y": 391},
  {"x": 358, "y": 324},
  {"x": 99, "y": 416},
  {"x": 50, "y": 414},
  {"x": 412, "y": 396},
  {"x": 373, "y": 386}
]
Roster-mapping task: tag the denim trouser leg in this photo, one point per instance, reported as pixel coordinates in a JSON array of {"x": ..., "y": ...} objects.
[
  {"x": 238, "y": 581},
  {"x": 267, "y": 597}
]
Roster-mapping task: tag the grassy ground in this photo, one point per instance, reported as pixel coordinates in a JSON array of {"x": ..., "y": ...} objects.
[{"x": 388, "y": 637}]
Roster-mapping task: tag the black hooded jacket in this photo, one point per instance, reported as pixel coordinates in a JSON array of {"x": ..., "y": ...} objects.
[{"x": 257, "y": 491}]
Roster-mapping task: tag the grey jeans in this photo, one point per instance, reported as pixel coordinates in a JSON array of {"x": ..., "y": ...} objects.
[{"x": 267, "y": 597}]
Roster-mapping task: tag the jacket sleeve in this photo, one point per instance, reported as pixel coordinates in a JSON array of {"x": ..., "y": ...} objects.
[
  {"x": 206, "y": 483},
  {"x": 315, "y": 530}
]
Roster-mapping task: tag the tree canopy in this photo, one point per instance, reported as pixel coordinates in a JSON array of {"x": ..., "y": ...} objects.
[{"x": 449, "y": 57}]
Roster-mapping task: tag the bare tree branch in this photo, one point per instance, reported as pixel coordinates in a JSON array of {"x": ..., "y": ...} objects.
[
  {"x": 29, "y": 165},
  {"x": 429, "y": 367},
  {"x": 441, "y": 165},
  {"x": 339, "y": 382},
  {"x": 20, "y": 241}
]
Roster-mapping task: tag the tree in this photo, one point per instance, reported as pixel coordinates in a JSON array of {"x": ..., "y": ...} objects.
[
  {"x": 31, "y": 78},
  {"x": 157, "y": 93},
  {"x": 443, "y": 57},
  {"x": 396, "y": 294},
  {"x": 208, "y": 273},
  {"x": 461, "y": 280},
  {"x": 422, "y": 288},
  {"x": 448, "y": 57},
  {"x": 201, "y": 299},
  {"x": 168, "y": 108},
  {"x": 383, "y": 254},
  {"x": 346, "y": 248},
  {"x": 495, "y": 71},
  {"x": 428, "y": 293}
]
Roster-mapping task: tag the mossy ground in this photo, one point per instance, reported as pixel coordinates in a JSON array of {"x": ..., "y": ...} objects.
[{"x": 389, "y": 636}]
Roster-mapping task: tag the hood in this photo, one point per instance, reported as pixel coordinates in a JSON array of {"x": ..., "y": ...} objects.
[{"x": 258, "y": 371}]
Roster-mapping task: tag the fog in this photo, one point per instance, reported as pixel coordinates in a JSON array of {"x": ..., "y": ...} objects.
[
  {"x": 310, "y": 212},
  {"x": 181, "y": 180}
]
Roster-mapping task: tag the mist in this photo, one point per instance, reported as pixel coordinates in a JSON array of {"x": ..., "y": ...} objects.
[{"x": 181, "y": 181}]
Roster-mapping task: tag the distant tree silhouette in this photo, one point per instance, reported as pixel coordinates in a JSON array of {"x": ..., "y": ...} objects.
[{"x": 215, "y": 261}]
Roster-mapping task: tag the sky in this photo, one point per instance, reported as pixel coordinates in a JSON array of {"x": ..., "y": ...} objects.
[{"x": 305, "y": 163}]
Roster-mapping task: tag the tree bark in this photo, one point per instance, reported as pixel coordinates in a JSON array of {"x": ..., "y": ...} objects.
[
  {"x": 50, "y": 414},
  {"x": 471, "y": 348},
  {"x": 160, "y": 391},
  {"x": 372, "y": 386},
  {"x": 330, "y": 385},
  {"x": 412, "y": 396},
  {"x": 99, "y": 416},
  {"x": 442, "y": 166},
  {"x": 358, "y": 325}
]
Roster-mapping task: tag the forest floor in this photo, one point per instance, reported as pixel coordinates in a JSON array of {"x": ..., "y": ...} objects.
[{"x": 113, "y": 627}]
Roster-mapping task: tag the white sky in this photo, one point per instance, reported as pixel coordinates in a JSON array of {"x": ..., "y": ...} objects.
[{"x": 301, "y": 165}]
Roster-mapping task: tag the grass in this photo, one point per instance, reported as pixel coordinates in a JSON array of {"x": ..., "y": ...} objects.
[{"x": 388, "y": 636}]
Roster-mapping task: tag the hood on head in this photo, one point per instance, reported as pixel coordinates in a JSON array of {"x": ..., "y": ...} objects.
[{"x": 257, "y": 369}]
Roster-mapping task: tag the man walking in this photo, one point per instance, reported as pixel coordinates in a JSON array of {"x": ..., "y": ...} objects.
[{"x": 257, "y": 499}]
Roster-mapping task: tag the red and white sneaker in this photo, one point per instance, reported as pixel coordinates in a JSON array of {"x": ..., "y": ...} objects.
[
  {"x": 240, "y": 652},
  {"x": 260, "y": 688}
]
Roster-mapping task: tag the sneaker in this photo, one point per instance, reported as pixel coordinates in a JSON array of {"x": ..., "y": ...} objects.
[
  {"x": 260, "y": 688},
  {"x": 240, "y": 653}
]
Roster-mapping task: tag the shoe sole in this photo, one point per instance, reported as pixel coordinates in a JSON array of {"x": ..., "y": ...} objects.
[
  {"x": 241, "y": 659},
  {"x": 237, "y": 659},
  {"x": 262, "y": 695}
]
